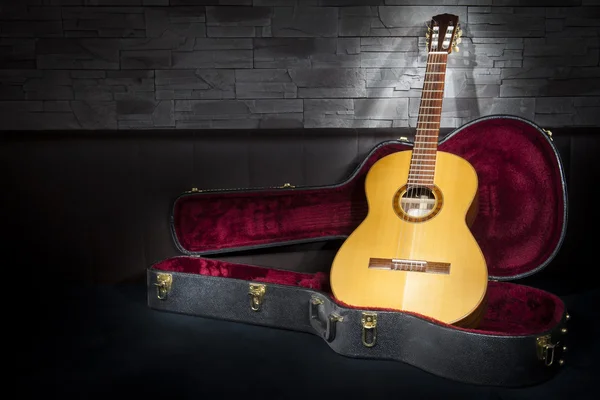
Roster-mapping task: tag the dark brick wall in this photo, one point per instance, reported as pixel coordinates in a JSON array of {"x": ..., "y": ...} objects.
[{"x": 120, "y": 64}]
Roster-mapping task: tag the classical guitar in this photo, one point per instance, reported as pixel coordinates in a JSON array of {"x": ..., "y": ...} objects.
[{"x": 414, "y": 251}]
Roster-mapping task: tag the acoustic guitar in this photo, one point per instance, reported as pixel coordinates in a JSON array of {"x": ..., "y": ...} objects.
[{"x": 414, "y": 250}]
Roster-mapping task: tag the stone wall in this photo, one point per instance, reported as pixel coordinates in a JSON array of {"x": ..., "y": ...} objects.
[{"x": 121, "y": 64}]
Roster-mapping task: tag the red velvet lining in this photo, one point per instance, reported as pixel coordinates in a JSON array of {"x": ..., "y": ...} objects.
[
  {"x": 512, "y": 309},
  {"x": 520, "y": 202}
]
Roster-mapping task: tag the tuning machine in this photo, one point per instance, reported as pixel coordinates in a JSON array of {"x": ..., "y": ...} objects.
[{"x": 457, "y": 39}]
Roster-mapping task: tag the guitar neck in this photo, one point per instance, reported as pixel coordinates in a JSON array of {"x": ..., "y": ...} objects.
[{"x": 422, "y": 166}]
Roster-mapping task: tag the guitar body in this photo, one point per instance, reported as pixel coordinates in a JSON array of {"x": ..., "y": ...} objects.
[{"x": 381, "y": 263}]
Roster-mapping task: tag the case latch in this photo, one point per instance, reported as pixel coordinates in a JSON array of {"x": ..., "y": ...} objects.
[
  {"x": 549, "y": 133},
  {"x": 545, "y": 349},
  {"x": 369, "y": 328},
  {"x": 256, "y": 292},
  {"x": 163, "y": 285}
]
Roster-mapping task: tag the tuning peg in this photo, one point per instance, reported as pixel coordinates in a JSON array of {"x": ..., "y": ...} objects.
[
  {"x": 455, "y": 49},
  {"x": 458, "y": 40}
]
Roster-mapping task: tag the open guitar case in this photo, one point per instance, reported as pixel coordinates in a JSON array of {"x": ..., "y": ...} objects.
[{"x": 520, "y": 226}]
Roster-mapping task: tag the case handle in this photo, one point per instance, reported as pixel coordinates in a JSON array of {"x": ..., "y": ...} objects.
[{"x": 327, "y": 328}]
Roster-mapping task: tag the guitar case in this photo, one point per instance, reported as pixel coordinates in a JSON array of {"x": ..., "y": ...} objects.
[{"x": 520, "y": 227}]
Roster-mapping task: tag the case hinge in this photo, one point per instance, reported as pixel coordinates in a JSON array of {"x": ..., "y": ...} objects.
[
  {"x": 163, "y": 285},
  {"x": 256, "y": 291},
  {"x": 369, "y": 328},
  {"x": 545, "y": 349},
  {"x": 549, "y": 133}
]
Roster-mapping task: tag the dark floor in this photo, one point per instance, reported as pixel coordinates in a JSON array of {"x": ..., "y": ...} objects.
[{"x": 104, "y": 342}]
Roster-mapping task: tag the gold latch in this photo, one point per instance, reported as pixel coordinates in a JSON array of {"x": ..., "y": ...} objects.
[
  {"x": 287, "y": 186},
  {"x": 163, "y": 285},
  {"x": 369, "y": 323},
  {"x": 256, "y": 292},
  {"x": 549, "y": 133},
  {"x": 403, "y": 139},
  {"x": 545, "y": 349}
]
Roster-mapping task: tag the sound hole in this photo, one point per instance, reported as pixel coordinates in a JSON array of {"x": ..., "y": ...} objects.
[{"x": 417, "y": 203}]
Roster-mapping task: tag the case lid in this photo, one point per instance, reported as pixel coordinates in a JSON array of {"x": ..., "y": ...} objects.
[{"x": 522, "y": 199}]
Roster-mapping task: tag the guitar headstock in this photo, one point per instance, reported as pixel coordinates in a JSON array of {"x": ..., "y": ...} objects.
[{"x": 443, "y": 33}]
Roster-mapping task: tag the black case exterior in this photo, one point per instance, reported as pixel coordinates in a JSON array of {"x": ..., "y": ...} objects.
[
  {"x": 450, "y": 353},
  {"x": 460, "y": 355}
]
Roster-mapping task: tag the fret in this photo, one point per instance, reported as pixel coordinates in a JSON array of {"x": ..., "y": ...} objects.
[
  {"x": 427, "y": 73},
  {"x": 430, "y": 107},
  {"x": 420, "y": 182},
  {"x": 426, "y": 82},
  {"x": 420, "y": 173},
  {"x": 428, "y": 135},
  {"x": 432, "y": 90}
]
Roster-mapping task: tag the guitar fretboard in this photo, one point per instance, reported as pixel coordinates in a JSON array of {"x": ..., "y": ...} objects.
[{"x": 422, "y": 166}]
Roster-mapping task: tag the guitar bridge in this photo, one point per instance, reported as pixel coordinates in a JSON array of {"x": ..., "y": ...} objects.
[{"x": 396, "y": 264}]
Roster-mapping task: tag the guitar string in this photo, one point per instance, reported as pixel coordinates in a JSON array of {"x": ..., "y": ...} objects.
[
  {"x": 416, "y": 167},
  {"x": 420, "y": 152},
  {"x": 426, "y": 174},
  {"x": 422, "y": 178},
  {"x": 433, "y": 119}
]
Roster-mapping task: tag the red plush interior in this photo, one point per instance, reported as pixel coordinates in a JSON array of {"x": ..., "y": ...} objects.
[
  {"x": 518, "y": 225},
  {"x": 512, "y": 309}
]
